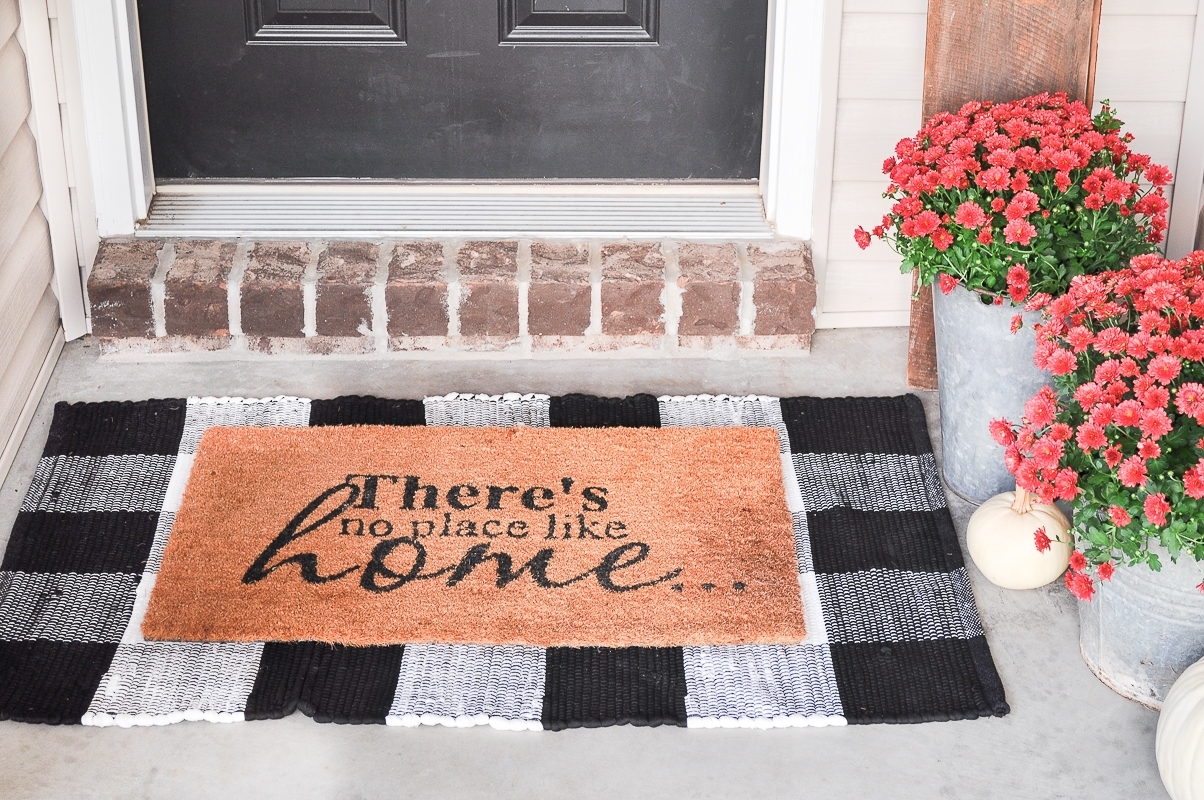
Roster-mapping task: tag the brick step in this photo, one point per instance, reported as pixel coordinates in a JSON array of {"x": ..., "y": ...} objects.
[{"x": 358, "y": 297}]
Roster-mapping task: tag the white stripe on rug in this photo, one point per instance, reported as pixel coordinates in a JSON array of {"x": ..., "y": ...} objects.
[
  {"x": 78, "y": 484},
  {"x": 761, "y": 686},
  {"x": 467, "y": 685},
  {"x": 462, "y": 685}
]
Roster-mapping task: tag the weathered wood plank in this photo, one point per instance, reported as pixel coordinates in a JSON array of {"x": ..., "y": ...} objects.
[
  {"x": 996, "y": 50},
  {"x": 1005, "y": 49}
]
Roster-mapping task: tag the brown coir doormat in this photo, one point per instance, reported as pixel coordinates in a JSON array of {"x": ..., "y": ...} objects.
[{"x": 380, "y": 535}]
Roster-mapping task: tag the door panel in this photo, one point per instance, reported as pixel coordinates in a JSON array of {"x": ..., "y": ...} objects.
[
  {"x": 579, "y": 21},
  {"x": 326, "y": 21},
  {"x": 302, "y": 89}
]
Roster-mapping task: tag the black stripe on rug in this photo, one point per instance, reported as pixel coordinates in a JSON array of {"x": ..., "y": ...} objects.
[
  {"x": 356, "y": 410},
  {"x": 54, "y": 681},
  {"x": 851, "y": 425},
  {"x": 89, "y": 541},
  {"x": 329, "y": 682},
  {"x": 916, "y": 676},
  {"x": 333, "y": 683},
  {"x": 857, "y": 540},
  {"x": 149, "y": 428},
  {"x": 51, "y": 682},
  {"x": 593, "y": 687},
  {"x": 907, "y": 682},
  {"x": 587, "y": 411}
]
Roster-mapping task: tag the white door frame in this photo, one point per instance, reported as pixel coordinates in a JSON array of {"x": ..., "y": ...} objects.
[{"x": 118, "y": 144}]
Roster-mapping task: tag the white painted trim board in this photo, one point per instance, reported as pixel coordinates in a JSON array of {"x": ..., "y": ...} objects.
[
  {"x": 52, "y": 164},
  {"x": 1189, "y": 182}
]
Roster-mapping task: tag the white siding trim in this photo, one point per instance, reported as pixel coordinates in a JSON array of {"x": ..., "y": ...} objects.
[
  {"x": 825, "y": 146},
  {"x": 56, "y": 195},
  {"x": 62, "y": 31}
]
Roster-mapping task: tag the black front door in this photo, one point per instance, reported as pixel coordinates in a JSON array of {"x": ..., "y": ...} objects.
[{"x": 455, "y": 89}]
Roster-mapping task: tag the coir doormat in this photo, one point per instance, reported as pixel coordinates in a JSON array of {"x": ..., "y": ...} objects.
[
  {"x": 541, "y": 536},
  {"x": 891, "y": 630}
]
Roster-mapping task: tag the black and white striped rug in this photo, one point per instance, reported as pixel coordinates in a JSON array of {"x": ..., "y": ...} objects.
[{"x": 893, "y": 632}]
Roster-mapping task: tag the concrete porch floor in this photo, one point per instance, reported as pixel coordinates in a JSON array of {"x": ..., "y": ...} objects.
[{"x": 1067, "y": 735}]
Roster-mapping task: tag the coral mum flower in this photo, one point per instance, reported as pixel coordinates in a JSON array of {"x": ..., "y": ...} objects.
[
  {"x": 1148, "y": 449},
  {"x": 1067, "y": 484},
  {"x": 1156, "y": 509},
  {"x": 1090, "y": 437},
  {"x": 1158, "y": 175},
  {"x": 1132, "y": 472},
  {"x": 1022, "y": 205},
  {"x": 947, "y": 282},
  {"x": 1112, "y": 456},
  {"x": 995, "y": 179},
  {"x": 1040, "y": 409},
  {"x": 941, "y": 239},
  {"x": 1079, "y": 585},
  {"x": 1078, "y": 561},
  {"x": 1017, "y": 323},
  {"x": 1061, "y": 362},
  {"x": 1105, "y": 571},
  {"x": 1019, "y": 231},
  {"x": 1165, "y": 368},
  {"x": 1155, "y": 424},
  {"x": 1001, "y": 432},
  {"x": 1156, "y": 397},
  {"x": 1047, "y": 452},
  {"x": 1088, "y": 394},
  {"x": 985, "y": 236},
  {"x": 1102, "y": 414},
  {"x": 862, "y": 236},
  {"x": 1041, "y": 540},
  {"x": 1128, "y": 413},
  {"x": 970, "y": 215},
  {"x": 1193, "y": 481},
  {"x": 1119, "y": 516},
  {"x": 1111, "y": 340},
  {"x": 926, "y": 222}
]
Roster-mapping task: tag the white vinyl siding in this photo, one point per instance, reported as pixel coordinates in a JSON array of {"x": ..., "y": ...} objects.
[
  {"x": 29, "y": 317},
  {"x": 878, "y": 101},
  {"x": 1142, "y": 66},
  {"x": 1144, "y": 59}
]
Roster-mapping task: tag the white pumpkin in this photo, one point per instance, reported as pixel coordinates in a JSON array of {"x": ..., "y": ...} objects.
[
  {"x": 1179, "y": 743},
  {"x": 1003, "y": 545}
]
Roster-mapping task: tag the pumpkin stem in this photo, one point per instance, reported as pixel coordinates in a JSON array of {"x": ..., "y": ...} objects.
[{"x": 1023, "y": 501}]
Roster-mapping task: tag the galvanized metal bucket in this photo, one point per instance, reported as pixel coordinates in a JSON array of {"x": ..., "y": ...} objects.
[
  {"x": 985, "y": 371},
  {"x": 1144, "y": 628}
]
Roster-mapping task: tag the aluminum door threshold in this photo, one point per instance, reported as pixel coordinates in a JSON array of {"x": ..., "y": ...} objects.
[{"x": 458, "y": 211}]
